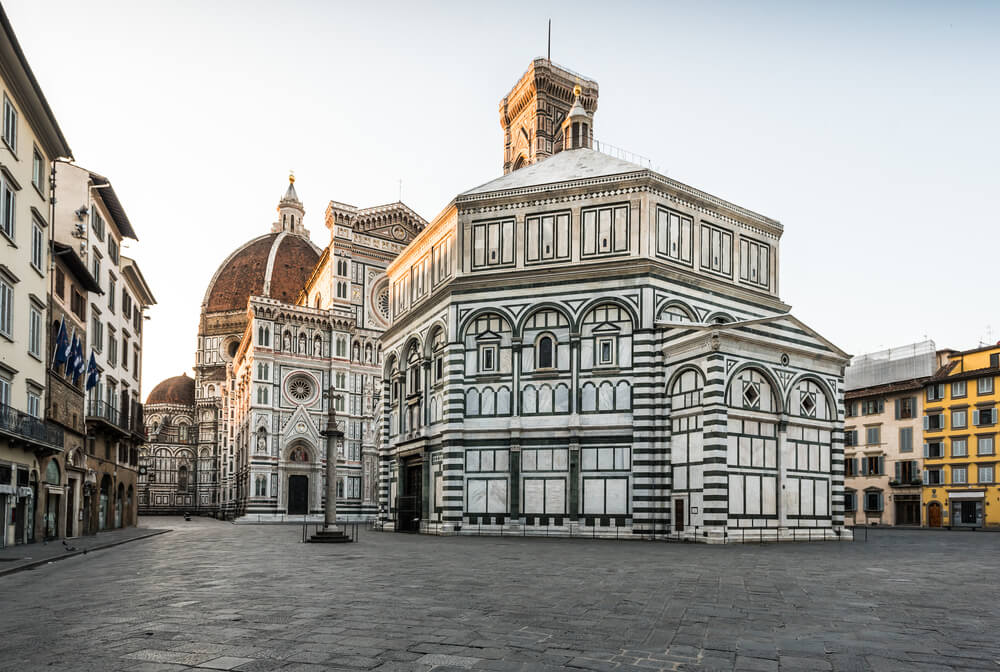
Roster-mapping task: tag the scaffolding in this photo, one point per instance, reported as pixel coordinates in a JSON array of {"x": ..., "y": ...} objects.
[{"x": 918, "y": 360}]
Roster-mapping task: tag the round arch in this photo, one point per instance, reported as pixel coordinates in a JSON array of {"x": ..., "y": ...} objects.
[
  {"x": 295, "y": 451},
  {"x": 471, "y": 317},
  {"x": 779, "y": 397},
  {"x": 577, "y": 323},
  {"x": 675, "y": 376},
  {"x": 786, "y": 401},
  {"x": 389, "y": 365},
  {"x": 538, "y": 307},
  {"x": 720, "y": 317},
  {"x": 436, "y": 326},
  {"x": 676, "y": 303}
]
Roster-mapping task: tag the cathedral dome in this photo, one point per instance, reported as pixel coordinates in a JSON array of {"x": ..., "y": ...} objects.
[
  {"x": 276, "y": 265},
  {"x": 176, "y": 390}
]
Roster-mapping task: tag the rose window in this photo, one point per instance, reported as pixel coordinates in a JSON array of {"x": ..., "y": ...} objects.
[
  {"x": 300, "y": 389},
  {"x": 383, "y": 303}
]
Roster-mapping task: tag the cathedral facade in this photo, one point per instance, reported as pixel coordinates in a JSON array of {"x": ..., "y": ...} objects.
[
  {"x": 282, "y": 322},
  {"x": 584, "y": 345}
]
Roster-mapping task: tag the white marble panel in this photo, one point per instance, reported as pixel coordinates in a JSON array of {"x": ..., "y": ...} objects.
[
  {"x": 544, "y": 460},
  {"x": 534, "y": 496},
  {"x": 753, "y": 494},
  {"x": 736, "y": 494},
  {"x": 769, "y": 487},
  {"x": 555, "y": 496},
  {"x": 559, "y": 459},
  {"x": 617, "y": 496},
  {"x": 497, "y": 496},
  {"x": 477, "y": 495},
  {"x": 593, "y": 495}
]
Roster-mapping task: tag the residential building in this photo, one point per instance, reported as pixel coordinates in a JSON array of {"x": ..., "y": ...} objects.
[
  {"x": 584, "y": 345},
  {"x": 883, "y": 406},
  {"x": 90, "y": 217},
  {"x": 71, "y": 284},
  {"x": 32, "y": 475},
  {"x": 960, "y": 440}
]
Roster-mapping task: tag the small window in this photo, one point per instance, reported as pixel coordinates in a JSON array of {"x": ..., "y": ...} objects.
[
  {"x": 6, "y": 308},
  {"x": 488, "y": 358},
  {"x": 959, "y": 475},
  {"x": 873, "y": 501},
  {"x": 606, "y": 351},
  {"x": 60, "y": 283},
  {"x": 935, "y": 392},
  {"x": 959, "y": 419},
  {"x": 873, "y": 436},
  {"x": 958, "y": 389},
  {"x": 8, "y": 206},
  {"x": 37, "y": 169},
  {"x": 34, "y": 404},
  {"x": 986, "y": 474},
  {"x": 985, "y": 385},
  {"x": 34, "y": 332},
  {"x": 959, "y": 448},
  {"x": 545, "y": 352},
  {"x": 850, "y": 501},
  {"x": 9, "y": 123},
  {"x": 984, "y": 445},
  {"x": 37, "y": 247}
]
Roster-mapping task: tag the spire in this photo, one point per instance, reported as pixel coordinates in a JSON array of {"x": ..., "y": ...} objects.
[
  {"x": 290, "y": 194},
  {"x": 290, "y": 211}
]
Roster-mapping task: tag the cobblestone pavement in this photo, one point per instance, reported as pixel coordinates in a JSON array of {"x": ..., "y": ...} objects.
[
  {"x": 214, "y": 596},
  {"x": 19, "y": 557}
]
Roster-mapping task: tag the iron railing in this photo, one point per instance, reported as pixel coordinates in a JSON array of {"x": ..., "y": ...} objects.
[{"x": 29, "y": 427}]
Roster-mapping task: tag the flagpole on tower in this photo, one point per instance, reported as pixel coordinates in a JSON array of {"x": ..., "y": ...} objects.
[{"x": 548, "y": 53}]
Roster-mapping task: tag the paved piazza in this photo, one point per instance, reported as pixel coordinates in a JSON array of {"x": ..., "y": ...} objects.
[{"x": 213, "y": 595}]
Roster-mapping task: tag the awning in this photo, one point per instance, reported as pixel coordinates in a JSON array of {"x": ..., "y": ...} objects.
[
  {"x": 966, "y": 495},
  {"x": 8, "y": 490},
  {"x": 25, "y": 492}
]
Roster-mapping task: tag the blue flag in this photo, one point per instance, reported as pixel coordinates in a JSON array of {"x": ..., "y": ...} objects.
[
  {"x": 62, "y": 345},
  {"x": 92, "y": 372}
]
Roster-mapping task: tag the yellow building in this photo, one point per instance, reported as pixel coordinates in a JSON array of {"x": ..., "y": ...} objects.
[{"x": 960, "y": 441}]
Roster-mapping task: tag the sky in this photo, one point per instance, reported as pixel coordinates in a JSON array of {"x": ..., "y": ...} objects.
[{"x": 870, "y": 130}]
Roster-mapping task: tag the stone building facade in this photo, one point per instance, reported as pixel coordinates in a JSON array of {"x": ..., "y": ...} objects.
[
  {"x": 884, "y": 407},
  {"x": 283, "y": 322},
  {"x": 173, "y": 478},
  {"x": 585, "y": 345}
]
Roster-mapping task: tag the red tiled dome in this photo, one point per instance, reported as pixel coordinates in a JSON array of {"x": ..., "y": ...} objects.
[
  {"x": 176, "y": 390},
  {"x": 245, "y": 272}
]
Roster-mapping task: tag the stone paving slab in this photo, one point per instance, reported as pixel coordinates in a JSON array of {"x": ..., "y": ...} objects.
[
  {"x": 29, "y": 556},
  {"x": 214, "y": 596}
]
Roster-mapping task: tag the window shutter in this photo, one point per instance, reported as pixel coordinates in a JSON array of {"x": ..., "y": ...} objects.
[
  {"x": 881, "y": 406},
  {"x": 880, "y": 501},
  {"x": 975, "y": 417},
  {"x": 927, "y": 423},
  {"x": 881, "y": 465},
  {"x": 913, "y": 407},
  {"x": 856, "y": 467},
  {"x": 927, "y": 451},
  {"x": 899, "y": 470},
  {"x": 897, "y": 409}
]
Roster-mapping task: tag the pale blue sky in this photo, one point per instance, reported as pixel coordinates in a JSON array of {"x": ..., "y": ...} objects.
[{"x": 868, "y": 129}]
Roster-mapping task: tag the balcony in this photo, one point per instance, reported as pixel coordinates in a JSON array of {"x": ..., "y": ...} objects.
[
  {"x": 104, "y": 412},
  {"x": 20, "y": 425}
]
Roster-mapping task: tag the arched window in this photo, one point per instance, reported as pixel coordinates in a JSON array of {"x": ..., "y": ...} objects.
[
  {"x": 182, "y": 431},
  {"x": 182, "y": 478},
  {"x": 545, "y": 352},
  {"x": 319, "y": 300}
]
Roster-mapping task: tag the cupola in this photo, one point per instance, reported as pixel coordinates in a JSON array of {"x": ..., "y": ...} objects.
[
  {"x": 290, "y": 212},
  {"x": 577, "y": 127}
]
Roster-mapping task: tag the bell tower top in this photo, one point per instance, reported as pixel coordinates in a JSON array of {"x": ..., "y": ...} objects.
[
  {"x": 290, "y": 211},
  {"x": 533, "y": 112}
]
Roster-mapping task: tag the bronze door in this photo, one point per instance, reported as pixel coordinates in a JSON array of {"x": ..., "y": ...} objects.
[
  {"x": 298, "y": 495},
  {"x": 678, "y": 515}
]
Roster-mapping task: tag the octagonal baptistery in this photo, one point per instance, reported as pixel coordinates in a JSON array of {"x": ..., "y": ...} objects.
[
  {"x": 586, "y": 346},
  {"x": 171, "y": 477}
]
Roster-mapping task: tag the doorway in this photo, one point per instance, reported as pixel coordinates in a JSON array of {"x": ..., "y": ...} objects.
[
  {"x": 51, "y": 516},
  {"x": 907, "y": 509},
  {"x": 678, "y": 515},
  {"x": 934, "y": 514},
  {"x": 70, "y": 508},
  {"x": 408, "y": 503},
  {"x": 298, "y": 495}
]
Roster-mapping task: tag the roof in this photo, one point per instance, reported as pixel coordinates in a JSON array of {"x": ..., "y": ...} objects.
[
  {"x": 276, "y": 265},
  {"x": 176, "y": 390},
  {"x": 67, "y": 254},
  {"x": 113, "y": 205},
  {"x": 571, "y": 164},
  {"x": 889, "y": 388},
  {"x": 139, "y": 285},
  {"x": 31, "y": 96}
]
